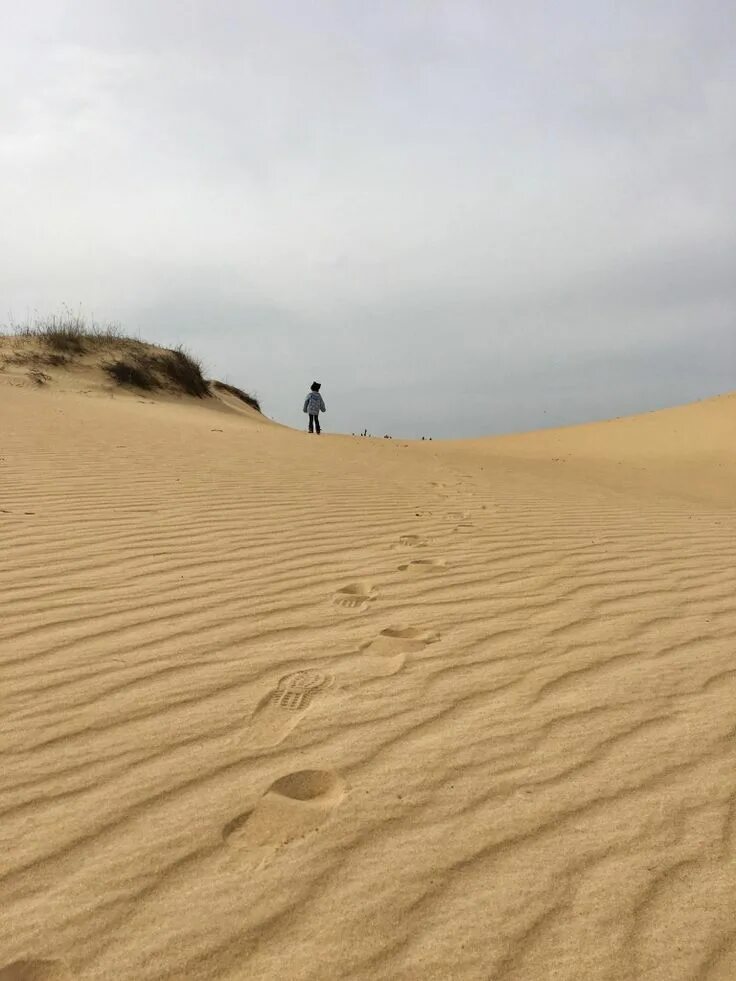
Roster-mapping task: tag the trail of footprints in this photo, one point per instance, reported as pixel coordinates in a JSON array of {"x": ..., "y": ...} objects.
[{"x": 299, "y": 803}]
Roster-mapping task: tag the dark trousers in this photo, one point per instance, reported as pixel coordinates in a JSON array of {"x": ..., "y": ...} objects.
[{"x": 314, "y": 424}]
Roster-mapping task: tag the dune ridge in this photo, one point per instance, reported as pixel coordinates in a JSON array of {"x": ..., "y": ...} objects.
[{"x": 316, "y": 708}]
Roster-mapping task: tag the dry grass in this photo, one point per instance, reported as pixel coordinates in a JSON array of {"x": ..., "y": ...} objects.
[
  {"x": 71, "y": 334},
  {"x": 66, "y": 339},
  {"x": 238, "y": 393},
  {"x": 155, "y": 368}
]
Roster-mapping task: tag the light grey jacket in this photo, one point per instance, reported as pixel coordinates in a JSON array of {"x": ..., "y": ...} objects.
[{"x": 314, "y": 404}]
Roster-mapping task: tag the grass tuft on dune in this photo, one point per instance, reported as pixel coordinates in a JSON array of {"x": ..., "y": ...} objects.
[{"x": 70, "y": 342}]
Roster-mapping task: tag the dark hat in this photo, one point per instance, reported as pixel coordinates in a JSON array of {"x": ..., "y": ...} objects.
[{"x": 316, "y": 386}]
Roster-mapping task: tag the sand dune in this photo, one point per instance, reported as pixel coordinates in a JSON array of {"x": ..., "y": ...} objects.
[{"x": 315, "y": 708}]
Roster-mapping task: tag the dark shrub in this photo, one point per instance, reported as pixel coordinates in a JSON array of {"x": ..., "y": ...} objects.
[
  {"x": 183, "y": 371},
  {"x": 136, "y": 375}
]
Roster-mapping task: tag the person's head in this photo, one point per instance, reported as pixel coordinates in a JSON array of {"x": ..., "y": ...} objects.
[{"x": 316, "y": 386}]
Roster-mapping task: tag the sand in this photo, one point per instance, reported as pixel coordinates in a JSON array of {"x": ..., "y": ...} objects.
[{"x": 292, "y": 707}]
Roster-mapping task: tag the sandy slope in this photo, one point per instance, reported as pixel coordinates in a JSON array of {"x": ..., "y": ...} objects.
[{"x": 285, "y": 707}]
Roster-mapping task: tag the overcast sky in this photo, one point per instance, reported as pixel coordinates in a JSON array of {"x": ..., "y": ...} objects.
[{"x": 461, "y": 217}]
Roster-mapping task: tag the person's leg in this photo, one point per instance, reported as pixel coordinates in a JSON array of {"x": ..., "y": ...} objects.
[
  {"x": 316, "y": 425},
  {"x": 311, "y": 423}
]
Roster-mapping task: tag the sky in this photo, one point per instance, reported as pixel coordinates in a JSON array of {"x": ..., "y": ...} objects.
[{"x": 462, "y": 217}]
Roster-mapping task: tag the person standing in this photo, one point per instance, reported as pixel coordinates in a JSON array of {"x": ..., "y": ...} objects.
[{"x": 313, "y": 405}]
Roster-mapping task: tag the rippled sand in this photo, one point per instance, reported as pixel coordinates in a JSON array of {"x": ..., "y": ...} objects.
[{"x": 280, "y": 706}]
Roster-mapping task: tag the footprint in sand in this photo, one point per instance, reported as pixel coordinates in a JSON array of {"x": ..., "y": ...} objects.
[
  {"x": 283, "y": 708},
  {"x": 413, "y": 541},
  {"x": 292, "y": 807},
  {"x": 386, "y": 653},
  {"x": 35, "y": 970},
  {"x": 421, "y": 566},
  {"x": 355, "y": 597}
]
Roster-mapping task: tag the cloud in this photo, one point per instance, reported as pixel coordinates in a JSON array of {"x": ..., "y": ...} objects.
[{"x": 454, "y": 213}]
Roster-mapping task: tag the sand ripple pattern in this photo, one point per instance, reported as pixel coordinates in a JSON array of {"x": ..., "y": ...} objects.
[{"x": 516, "y": 762}]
